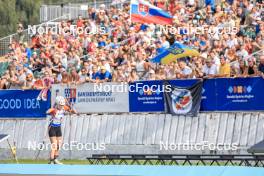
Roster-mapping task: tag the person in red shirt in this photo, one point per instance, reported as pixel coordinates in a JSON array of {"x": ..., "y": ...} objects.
[
  {"x": 80, "y": 22},
  {"x": 161, "y": 4}
]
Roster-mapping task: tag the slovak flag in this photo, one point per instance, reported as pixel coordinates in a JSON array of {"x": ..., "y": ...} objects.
[{"x": 144, "y": 12}]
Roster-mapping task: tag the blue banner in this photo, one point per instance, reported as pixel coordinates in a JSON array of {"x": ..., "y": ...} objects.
[
  {"x": 245, "y": 94},
  {"x": 146, "y": 96},
  {"x": 209, "y": 98},
  {"x": 22, "y": 103},
  {"x": 220, "y": 94}
]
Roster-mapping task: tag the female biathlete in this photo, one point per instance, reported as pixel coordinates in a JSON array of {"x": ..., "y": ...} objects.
[{"x": 54, "y": 129}]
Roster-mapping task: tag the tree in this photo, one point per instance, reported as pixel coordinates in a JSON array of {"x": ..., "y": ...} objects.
[{"x": 24, "y": 11}]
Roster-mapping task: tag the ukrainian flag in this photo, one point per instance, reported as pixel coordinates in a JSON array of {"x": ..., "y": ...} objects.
[{"x": 176, "y": 51}]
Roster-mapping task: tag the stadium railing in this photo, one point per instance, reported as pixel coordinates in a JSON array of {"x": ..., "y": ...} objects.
[
  {"x": 48, "y": 12},
  {"x": 178, "y": 159},
  {"x": 5, "y": 41}
]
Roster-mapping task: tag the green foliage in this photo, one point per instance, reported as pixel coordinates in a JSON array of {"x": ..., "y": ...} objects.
[{"x": 25, "y": 11}]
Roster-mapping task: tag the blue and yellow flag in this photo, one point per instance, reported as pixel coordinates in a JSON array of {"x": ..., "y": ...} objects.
[{"x": 176, "y": 51}]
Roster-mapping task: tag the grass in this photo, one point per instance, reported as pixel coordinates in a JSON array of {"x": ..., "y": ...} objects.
[{"x": 28, "y": 161}]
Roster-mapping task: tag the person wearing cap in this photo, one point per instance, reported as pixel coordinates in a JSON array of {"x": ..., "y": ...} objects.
[
  {"x": 224, "y": 69},
  {"x": 103, "y": 75}
]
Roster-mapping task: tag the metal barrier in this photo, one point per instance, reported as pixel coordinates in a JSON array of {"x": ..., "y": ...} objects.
[
  {"x": 24, "y": 36},
  {"x": 49, "y": 12},
  {"x": 190, "y": 160}
]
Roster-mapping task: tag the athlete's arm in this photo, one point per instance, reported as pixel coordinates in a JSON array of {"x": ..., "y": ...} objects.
[
  {"x": 50, "y": 111},
  {"x": 70, "y": 110}
]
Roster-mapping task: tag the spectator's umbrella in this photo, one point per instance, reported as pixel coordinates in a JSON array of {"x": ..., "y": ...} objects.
[{"x": 176, "y": 51}]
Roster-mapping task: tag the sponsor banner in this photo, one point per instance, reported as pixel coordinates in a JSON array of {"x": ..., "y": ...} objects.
[
  {"x": 208, "y": 102},
  {"x": 220, "y": 94},
  {"x": 146, "y": 96},
  {"x": 23, "y": 103},
  {"x": 94, "y": 98},
  {"x": 184, "y": 100},
  {"x": 240, "y": 94}
]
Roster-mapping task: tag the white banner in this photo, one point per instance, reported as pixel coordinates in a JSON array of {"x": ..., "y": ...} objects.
[{"x": 94, "y": 98}]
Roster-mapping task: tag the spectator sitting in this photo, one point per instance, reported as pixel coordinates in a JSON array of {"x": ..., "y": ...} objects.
[
  {"x": 151, "y": 75},
  {"x": 29, "y": 82},
  {"x": 133, "y": 76},
  {"x": 209, "y": 69},
  {"x": 83, "y": 75},
  {"x": 185, "y": 71},
  {"x": 4, "y": 80},
  {"x": 160, "y": 48},
  {"x": 103, "y": 75},
  {"x": 241, "y": 70},
  {"x": 261, "y": 66},
  {"x": 93, "y": 73},
  {"x": 106, "y": 64},
  {"x": 251, "y": 70},
  {"x": 128, "y": 46},
  {"x": 120, "y": 76},
  {"x": 165, "y": 43},
  {"x": 225, "y": 69},
  {"x": 18, "y": 81},
  {"x": 101, "y": 42}
]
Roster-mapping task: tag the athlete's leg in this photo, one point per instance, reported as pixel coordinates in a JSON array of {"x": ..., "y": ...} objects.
[
  {"x": 56, "y": 155},
  {"x": 53, "y": 141},
  {"x": 59, "y": 143}
]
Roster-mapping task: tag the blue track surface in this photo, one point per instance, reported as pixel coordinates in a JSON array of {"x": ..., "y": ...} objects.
[{"x": 122, "y": 170}]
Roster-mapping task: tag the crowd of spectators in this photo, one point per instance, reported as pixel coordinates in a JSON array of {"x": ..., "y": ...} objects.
[{"x": 117, "y": 50}]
